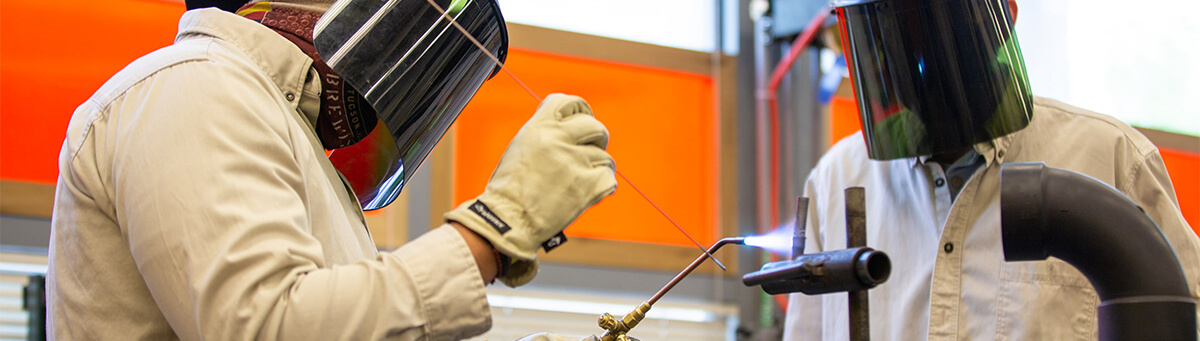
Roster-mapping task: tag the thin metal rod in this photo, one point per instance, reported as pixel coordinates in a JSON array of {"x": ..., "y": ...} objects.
[
  {"x": 664, "y": 214},
  {"x": 482, "y": 49},
  {"x": 539, "y": 99},
  {"x": 693, "y": 266}
]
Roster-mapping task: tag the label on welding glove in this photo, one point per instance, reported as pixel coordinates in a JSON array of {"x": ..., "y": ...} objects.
[
  {"x": 554, "y": 242},
  {"x": 484, "y": 212}
]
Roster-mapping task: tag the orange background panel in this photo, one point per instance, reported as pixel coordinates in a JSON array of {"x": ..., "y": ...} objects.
[
  {"x": 661, "y": 128},
  {"x": 53, "y": 56},
  {"x": 1183, "y": 167},
  {"x": 843, "y": 118}
]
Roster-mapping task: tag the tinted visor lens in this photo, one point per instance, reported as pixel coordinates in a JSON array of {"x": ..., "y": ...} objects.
[
  {"x": 932, "y": 76},
  {"x": 416, "y": 70}
]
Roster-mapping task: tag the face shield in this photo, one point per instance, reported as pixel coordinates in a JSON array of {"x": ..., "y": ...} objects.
[
  {"x": 415, "y": 70},
  {"x": 933, "y": 76}
]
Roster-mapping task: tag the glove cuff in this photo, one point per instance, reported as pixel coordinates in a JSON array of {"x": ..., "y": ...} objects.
[
  {"x": 503, "y": 263},
  {"x": 492, "y": 223},
  {"x": 520, "y": 272},
  {"x": 483, "y": 220}
]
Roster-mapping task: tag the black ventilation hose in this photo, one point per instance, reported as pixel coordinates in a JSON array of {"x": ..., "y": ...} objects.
[
  {"x": 1048, "y": 211},
  {"x": 226, "y": 5}
]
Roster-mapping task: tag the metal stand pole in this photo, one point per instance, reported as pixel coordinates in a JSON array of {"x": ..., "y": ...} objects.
[
  {"x": 856, "y": 236},
  {"x": 34, "y": 298}
]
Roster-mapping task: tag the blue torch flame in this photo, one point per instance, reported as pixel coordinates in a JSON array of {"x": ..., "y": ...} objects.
[{"x": 778, "y": 241}]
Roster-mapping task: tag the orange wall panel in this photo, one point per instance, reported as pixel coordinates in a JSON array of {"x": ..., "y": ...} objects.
[
  {"x": 53, "y": 56},
  {"x": 1184, "y": 169},
  {"x": 843, "y": 118},
  {"x": 661, "y": 126}
]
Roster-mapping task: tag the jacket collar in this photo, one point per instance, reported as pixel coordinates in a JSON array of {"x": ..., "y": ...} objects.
[
  {"x": 992, "y": 151},
  {"x": 284, "y": 63}
]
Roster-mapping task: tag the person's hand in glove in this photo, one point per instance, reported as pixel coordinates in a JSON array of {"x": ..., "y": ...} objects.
[{"x": 554, "y": 169}]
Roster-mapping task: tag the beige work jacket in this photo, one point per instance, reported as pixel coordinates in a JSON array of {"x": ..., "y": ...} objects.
[
  {"x": 195, "y": 202},
  {"x": 949, "y": 280}
]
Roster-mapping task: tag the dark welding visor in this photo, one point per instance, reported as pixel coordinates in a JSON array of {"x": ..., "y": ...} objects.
[
  {"x": 933, "y": 76},
  {"x": 415, "y": 70}
]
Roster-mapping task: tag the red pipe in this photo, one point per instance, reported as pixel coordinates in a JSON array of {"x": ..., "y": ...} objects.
[{"x": 798, "y": 46}]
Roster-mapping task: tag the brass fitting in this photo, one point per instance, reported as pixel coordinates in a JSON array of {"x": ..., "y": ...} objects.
[{"x": 615, "y": 330}]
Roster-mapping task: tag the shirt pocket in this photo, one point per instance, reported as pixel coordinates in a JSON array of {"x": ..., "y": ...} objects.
[{"x": 1045, "y": 300}]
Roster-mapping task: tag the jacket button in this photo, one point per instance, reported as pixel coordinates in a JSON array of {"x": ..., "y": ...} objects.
[
  {"x": 290, "y": 96},
  {"x": 949, "y": 247}
]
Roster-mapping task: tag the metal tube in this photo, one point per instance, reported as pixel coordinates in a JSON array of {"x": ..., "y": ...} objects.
[
  {"x": 799, "y": 236},
  {"x": 693, "y": 266},
  {"x": 856, "y": 217},
  {"x": 844, "y": 270},
  {"x": 856, "y": 236}
]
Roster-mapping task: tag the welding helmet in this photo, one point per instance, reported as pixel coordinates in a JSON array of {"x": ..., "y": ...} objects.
[
  {"x": 933, "y": 76},
  {"x": 415, "y": 70}
]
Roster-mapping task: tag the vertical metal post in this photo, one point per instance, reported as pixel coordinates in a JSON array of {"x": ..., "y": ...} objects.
[
  {"x": 799, "y": 236},
  {"x": 34, "y": 302},
  {"x": 856, "y": 236}
]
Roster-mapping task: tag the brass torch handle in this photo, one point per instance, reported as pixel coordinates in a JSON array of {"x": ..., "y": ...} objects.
[{"x": 616, "y": 330}]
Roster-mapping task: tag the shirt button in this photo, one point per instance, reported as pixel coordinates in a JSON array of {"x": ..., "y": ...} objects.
[
  {"x": 956, "y": 182},
  {"x": 949, "y": 247},
  {"x": 939, "y": 182},
  {"x": 290, "y": 96}
]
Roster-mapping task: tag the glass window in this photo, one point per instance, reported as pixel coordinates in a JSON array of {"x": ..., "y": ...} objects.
[
  {"x": 685, "y": 24},
  {"x": 1136, "y": 63}
]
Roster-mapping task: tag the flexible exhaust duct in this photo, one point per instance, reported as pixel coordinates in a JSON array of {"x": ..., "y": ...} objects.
[{"x": 1048, "y": 211}]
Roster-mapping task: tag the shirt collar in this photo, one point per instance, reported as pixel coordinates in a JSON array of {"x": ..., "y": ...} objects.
[
  {"x": 278, "y": 58},
  {"x": 992, "y": 151}
]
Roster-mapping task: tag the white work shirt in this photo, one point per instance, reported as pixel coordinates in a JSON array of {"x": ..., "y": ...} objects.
[
  {"x": 195, "y": 202},
  {"x": 949, "y": 280}
]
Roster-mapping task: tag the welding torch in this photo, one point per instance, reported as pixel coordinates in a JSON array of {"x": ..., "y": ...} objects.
[{"x": 616, "y": 329}]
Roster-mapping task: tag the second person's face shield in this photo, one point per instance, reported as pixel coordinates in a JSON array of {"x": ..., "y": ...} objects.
[
  {"x": 415, "y": 70},
  {"x": 933, "y": 76}
]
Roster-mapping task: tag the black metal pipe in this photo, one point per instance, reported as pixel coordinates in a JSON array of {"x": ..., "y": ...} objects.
[
  {"x": 1047, "y": 211},
  {"x": 859, "y": 268}
]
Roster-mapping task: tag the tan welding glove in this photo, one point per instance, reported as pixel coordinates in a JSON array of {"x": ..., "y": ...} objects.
[{"x": 554, "y": 169}]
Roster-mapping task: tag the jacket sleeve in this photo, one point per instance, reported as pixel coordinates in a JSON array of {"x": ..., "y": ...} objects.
[
  {"x": 1150, "y": 187},
  {"x": 211, "y": 200},
  {"x": 804, "y": 320}
]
